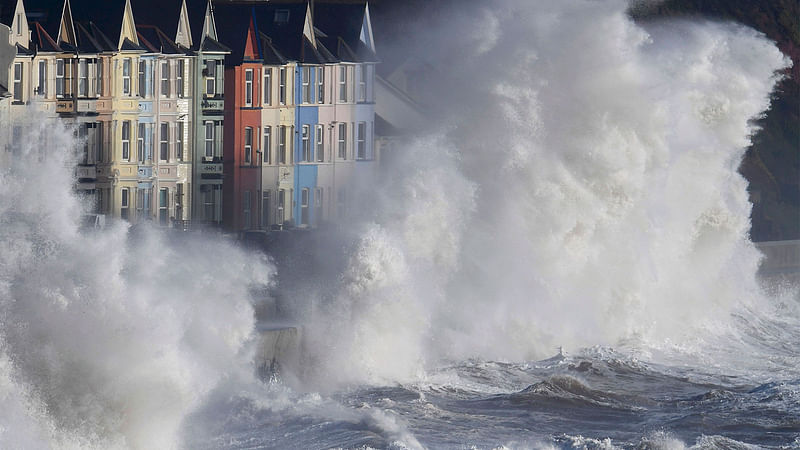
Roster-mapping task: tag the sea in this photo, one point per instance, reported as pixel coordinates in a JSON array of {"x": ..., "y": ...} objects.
[{"x": 559, "y": 258}]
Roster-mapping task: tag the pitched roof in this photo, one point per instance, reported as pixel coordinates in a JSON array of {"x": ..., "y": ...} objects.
[
  {"x": 341, "y": 24},
  {"x": 105, "y": 16},
  {"x": 233, "y": 22},
  {"x": 154, "y": 40},
  {"x": 87, "y": 41},
  {"x": 42, "y": 40}
]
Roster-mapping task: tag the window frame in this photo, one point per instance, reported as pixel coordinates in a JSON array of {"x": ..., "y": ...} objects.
[
  {"x": 342, "y": 141},
  {"x": 248, "y": 145},
  {"x": 18, "y": 80},
  {"x": 319, "y": 142},
  {"x": 126, "y": 140},
  {"x": 343, "y": 84},
  {"x": 165, "y": 79},
  {"x": 305, "y": 139},
  {"x": 248, "y": 87},
  {"x": 361, "y": 140},
  {"x": 267, "y": 87},
  {"x": 163, "y": 154},
  {"x": 267, "y": 146},
  {"x": 126, "y": 76},
  {"x": 209, "y": 141},
  {"x": 282, "y": 86}
]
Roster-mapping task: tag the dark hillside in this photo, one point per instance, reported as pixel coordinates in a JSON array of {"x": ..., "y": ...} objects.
[{"x": 772, "y": 164}]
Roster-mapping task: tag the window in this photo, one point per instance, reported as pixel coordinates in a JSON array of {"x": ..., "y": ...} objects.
[
  {"x": 282, "y": 86},
  {"x": 179, "y": 78},
  {"x": 142, "y": 78},
  {"x": 319, "y": 142},
  {"x": 318, "y": 205},
  {"x": 164, "y": 153},
  {"x": 362, "y": 140},
  {"x": 343, "y": 140},
  {"x": 307, "y": 85},
  {"x": 246, "y": 210},
  {"x": 83, "y": 77},
  {"x": 306, "y": 144},
  {"x": 179, "y": 201},
  {"x": 281, "y": 216},
  {"x": 304, "y": 206},
  {"x": 125, "y": 203},
  {"x": 60, "y": 78},
  {"x": 267, "y": 147},
  {"x": 179, "y": 141},
  {"x": 362, "y": 83},
  {"x": 248, "y": 145},
  {"x": 140, "y": 151},
  {"x": 342, "y": 83},
  {"x": 209, "y": 203},
  {"x": 209, "y": 140},
  {"x": 248, "y": 87},
  {"x": 320, "y": 85},
  {"x": 281, "y": 16},
  {"x": 19, "y": 23},
  {"x": 163, "y": 205},
  {"x": 267, "y": 86},
  {"x": 18, "y": 82},
  {"x": 42, "y": 89},
  {"x": 143, "y": 197},
  {"x": 99, "y": 77},
  {"x": 282, "y": 144},
  {"x": 370, "y": 86},
  {"x": 211, "y": 77},
  {"x": 165, "y": 79},
  {"x": 126, "y": 76},
  {"x": 265, "y": 210},
  {"x": 126, "y": 140}
]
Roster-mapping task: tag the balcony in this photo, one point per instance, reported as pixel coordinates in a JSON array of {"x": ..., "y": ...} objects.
[
  {"x": 145, "y": 172},
  {"x": 210, "y": 170},
  {"x": 86, "y": 172},
  {"x": 213, "y": 104},
  {"x": 87, "y": 105},
  {"x": 65, "y": 106}
]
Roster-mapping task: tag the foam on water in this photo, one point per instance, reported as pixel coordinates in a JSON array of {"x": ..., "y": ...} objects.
[
  {"x": 108, "y": 339},
  {"x": 585, "y": 192},
  {"x": 580, "y": 190}
]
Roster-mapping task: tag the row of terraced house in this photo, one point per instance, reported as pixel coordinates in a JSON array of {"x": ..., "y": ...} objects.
[{"x": 246, "y": 114}]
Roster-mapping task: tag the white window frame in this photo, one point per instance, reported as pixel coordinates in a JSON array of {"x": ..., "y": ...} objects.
[
  {"x": 126, "y": 76},
  {"x": 163, "y": 206},
  {"x": 211, "y": 77},
  {"x": 141, "y": 133},
  {"x": 163, "y": 153},
  {"x": 306, "y": 143},
  {"x": 179, "y": 128},
  {"x": 267, "y": 86},
  {"x": 282, "y": 151},
  {"x": 179, "y": 78},
  {"x": 126, "y": 143},
  {"x": 267, "y": 146},
  {"x": 319, "y": 142},
  {"x": 18, "y": 69},
  {"x": 362, "y": 140},
  {"x": 125, "y": 203},
  {"x": 248, "y": 87},
  {"x": 362, "y": 83},
  {"x": 165, "y": 79},
  {"x": 306, "y": 81},
  {"x": 248, "y": 145},
  {"x": 209, "y": 140},
  {"x": 282, "y": 86},
  {"x": 342, "y": 140},
  {"x": 41, "y": 90},
  {"x": 320, "y": 85},
  {"x": 343, "y": 84}
]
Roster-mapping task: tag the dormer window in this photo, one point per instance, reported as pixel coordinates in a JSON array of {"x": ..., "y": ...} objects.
[{"x": 282, "y": 16}]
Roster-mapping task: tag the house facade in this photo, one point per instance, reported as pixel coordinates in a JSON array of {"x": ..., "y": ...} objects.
[{"x": 252, "y": 115}]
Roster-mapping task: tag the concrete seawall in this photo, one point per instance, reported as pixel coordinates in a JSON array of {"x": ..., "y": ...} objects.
[{"x": 278, "y": 349}]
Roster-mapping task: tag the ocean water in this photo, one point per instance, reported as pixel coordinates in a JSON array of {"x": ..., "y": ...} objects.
[{"x": 561, "y": 260}]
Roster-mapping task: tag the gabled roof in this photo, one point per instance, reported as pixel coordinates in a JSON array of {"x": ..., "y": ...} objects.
[
  {"x": 43, "y": 41},
  {"x": 269, "y": 53},
  {"x": 154, "y": 40},
  {"x": 196, "y": 10},
  {"x": 105, "y": 16},
  {"x": 87, "y": 41},
  {"x": 343, "y": 25},
  {"x": 233, "y": 22},
  {"x": 212, "y": 46},
  {"x": 46, "y": 12}
]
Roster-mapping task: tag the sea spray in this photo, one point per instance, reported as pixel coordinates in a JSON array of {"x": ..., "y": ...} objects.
[
  {"x": 591, "y": 195},
  {"x": 110, "y": 338}
]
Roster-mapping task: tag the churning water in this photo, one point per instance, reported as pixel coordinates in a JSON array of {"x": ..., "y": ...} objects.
[{"x": 580, "y": 192}]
